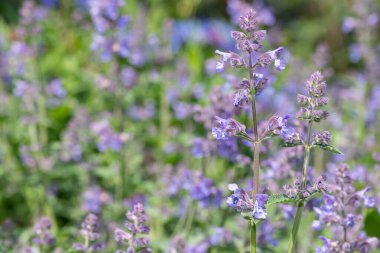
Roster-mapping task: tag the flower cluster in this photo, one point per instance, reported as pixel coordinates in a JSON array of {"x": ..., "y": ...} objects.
[
  {"x": 219, "y": 105},
  {"x": 339, "y": 210},
  {"x": 198, "y": 187},
  {"x": 316, "y": 87},
  {"x": 75, "y": 136},
  {"x": 89, "y": 231},
  {"x": 243, "y": 93},
  {"x": 42, "y": 232},
  {"x": 323, "y": 138},
  {"x": 278, "y": 126},
  {"x": 135, "y": 224},
  {"x": 94, "y": 198},
  {"x": 297, "y": 191},
  {"x": 227, "y": 128},
  {"x": 242, "y": 202},
  {"x": 110, "y": 38},
  {"x": 249, "y": 41},
  {"x": 108, "y": 139}
]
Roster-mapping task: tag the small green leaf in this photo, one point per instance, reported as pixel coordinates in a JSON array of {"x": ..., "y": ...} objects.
[
  {"x": 280, "y": 199},
  {"x": 328, "y": 148},
  {"x": 247, "y": 215},
  {"x": 314, "y": 195},
  {"x": 244, "y": 136},
  {"x": 289, "y": 145}
]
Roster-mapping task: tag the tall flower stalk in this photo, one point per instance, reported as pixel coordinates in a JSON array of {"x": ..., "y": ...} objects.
[
  {"x": 310, "y": 111},
  {"x": 249, "y": 42}
]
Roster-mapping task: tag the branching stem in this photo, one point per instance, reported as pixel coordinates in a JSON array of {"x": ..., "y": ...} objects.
[{"x": 297, "y": 218}]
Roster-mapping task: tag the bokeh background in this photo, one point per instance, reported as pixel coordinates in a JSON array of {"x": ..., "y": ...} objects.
[{"x": 84, "y": 129}]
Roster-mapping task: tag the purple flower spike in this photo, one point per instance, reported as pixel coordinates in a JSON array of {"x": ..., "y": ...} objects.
[
  {"x": 135, "y": 228},
  {"x": 42, "y": 232}
]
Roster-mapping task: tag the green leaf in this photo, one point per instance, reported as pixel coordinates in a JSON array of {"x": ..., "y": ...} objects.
[
  {"x": 280, "y": 199},
  {"x": 244, "y": 136},
  {"x": 372, "y": 223},
  {"x": 328, "y": 148},
  {"x": 314, "y": 195},
  {"x": 289, "y": 145},
  {"x": 247, "y": 215}
]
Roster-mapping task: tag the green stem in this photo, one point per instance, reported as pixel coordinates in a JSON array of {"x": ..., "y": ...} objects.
[
  {"x": 119, "y": 108},
  {"x": 307, "y": 155},
  {"x": 296, "y": 225},
  {"x": 256, "y": 146},
  {"x": 253, "y": 237},
  {"x": 256, "y": 168},
  {"x": 256, "y": 151},
  {"x": 190, "y": 218},
  {"x": 297, "y": 218}
]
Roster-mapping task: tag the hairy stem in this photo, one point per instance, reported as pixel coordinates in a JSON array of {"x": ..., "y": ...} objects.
[
  {"x": 253, "y": 237},
  {"x": 296, "y": 225},
  {"x": 297, "y": 218},
  {"x": 256, "y": 151},
  {"x": 256, "y": 168},
  {"x": 256, "y": 147}
]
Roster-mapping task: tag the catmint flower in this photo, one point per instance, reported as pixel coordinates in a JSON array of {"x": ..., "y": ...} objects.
[
  {"x": 339, "y": 210},
  {"x": 90, "y": 227},
  {"x": 198, "y": 187},
  {"x": 228, "y": 58},
  {"x": 369, "y": 201},
  {"x": 129, "y": 77},
  {"x": 94, "y": 198},
  {"x": 259, "y": 82},
  {"x": 135, "y": 227},
  {"x": 276, "y": 124},
  {"x": 259, "y": 212},
  {"x": 243, "y": 94},
  {"x": 56, "y": 89},
  {"x": 108, "y": 139},
  {"x": 242, "y": 97},
  {"x": 203, "y": 190},
  {"x": 239, "y": 200},
  {"x": 42, "y": 232},
  {"x": 242, "y": 202},
  {"x": 226, "y": 128},
  {"x": 296, "y": 190},
  {"x": 249, "y": 22},
  {"x": 89, "y": 231},
  {"x": 364, "y": 244},
  {"x": 303, "y": 100},
  {"x": 220, "y": 236},
  {"x": 318, "y": 115},
  {"x": 316, "y": 225},
  {"x": 316, "y": 87},
  {"x": 323, "y": 138},
  {"x": 225, "y": 58},
  {"x": 290, "y": 136},
  {"x": 272, "y": 56},
  {"x": 328, "y": 246}
]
